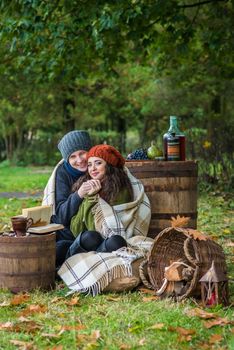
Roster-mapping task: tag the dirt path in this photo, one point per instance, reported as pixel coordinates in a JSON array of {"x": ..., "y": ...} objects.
[{"x": 21, "y": 194}]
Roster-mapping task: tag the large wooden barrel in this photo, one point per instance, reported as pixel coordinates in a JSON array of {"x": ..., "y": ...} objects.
[
  {"x": 171, "y": 188},
  {"x": 28, "y": 262}
]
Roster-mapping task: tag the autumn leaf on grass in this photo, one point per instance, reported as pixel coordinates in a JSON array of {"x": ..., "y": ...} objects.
[
  {"x": 77, "y": 327},
  {"x": 142, "y": 341},
  {"x": 50, "y": 335},
  {"x": 156, "y": 326},
  {"x": 217, "y": 322},
  {"x": 151, "y": 298},
  {"x": 8, "y": 326},
  {"x": 179, "y": 221},
  {"x": 146, "y": 291},
  {"x": 20, "y": 299},
  {"x": 72, "y": 302},
  {"x": 214, "y": 338},
  {"x": 33, "y": 309},
  {"x": 57, "y": 347},
  {"x": 89, "y": 341},
  {"x": 22, "y": 344},
  {"x": 28, "y": 326},
  {"x": 113, "y": 298},
  {"x": 124, "y": 347},
  {"x": 183, "y": 333},
  {"x": 201, "y": 313},
  {"x": 56, "y": 300},
  {"x": 5, "y": 303}
]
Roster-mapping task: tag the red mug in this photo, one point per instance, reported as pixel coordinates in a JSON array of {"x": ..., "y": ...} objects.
[{"x": 20, "y": 225}]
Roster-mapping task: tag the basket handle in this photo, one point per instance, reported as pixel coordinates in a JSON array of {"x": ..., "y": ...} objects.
[{"x": 142, "y": 274}]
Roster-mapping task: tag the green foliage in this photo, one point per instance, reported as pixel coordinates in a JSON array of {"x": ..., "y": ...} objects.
[
  {"x": 21, "y": 179},
  {"x": 118, "y": 69}
]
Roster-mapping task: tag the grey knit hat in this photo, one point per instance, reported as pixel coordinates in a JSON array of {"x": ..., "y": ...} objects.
[{"x": 74, "y": 141}]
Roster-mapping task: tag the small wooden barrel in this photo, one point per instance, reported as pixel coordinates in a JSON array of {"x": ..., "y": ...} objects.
[
  {"x": 27, "y": 262},
  {"x": 171, "y": 188}
]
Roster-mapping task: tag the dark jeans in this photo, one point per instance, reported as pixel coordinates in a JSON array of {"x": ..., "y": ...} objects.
[{"x": 87, "y": 241}]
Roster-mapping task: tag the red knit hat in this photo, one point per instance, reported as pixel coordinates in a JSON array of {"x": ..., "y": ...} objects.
[{"x": 108, "y": 153}]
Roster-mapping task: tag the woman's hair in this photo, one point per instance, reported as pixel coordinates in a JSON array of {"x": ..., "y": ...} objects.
[{"x": 114, "y": 181}]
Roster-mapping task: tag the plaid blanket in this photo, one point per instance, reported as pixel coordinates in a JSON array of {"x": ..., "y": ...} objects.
[
  {"x": 49, "y": 191},
  {"x": 127, "y": 219},
  {"x": 92, "y": 272}
]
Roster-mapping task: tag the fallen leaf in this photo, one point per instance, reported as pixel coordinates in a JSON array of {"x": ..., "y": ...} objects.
[
  {"x": 153, "y": 297},
  {"x": 156, "y": 326},
  {"x": 20, "y": 299},
  {"x": 146, "y": 291},
  {"x": 113, "y": 298},
  {"x": 73, "y": 328},
  {"x": 72, "y": 302},
  {"x": 229, "y": 244},
  {"x": 217, "y": 322},
  {"x": 179, "y": 221},
  {"x": 182, "y": 331},
  {"x": 226, "y": 231},
  {"x": 56, "y": 300},
  {"x": 197, "y": 235},
  {"x": 201, "y": 313},
  {"x": 124, "y": 347},
  {"x": 6, "y": 326},
  {"x": 59, "y": 347},
  {"x": 90, "y": 341},
  {"x": 32, "y": 309},
  {"x": 22, "y": 344},
  {"x": 50, "y": 335},
  {"x": 142, "y": 342},
  {"x": 5, "y": 303},
  {"x": 183, "y": 338},
  {"x": 96, "y": 334},
  {"x": 135, "y": 329},
  {"x": 214, "y": 338}
]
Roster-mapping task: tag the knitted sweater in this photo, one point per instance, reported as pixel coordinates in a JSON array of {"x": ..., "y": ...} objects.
[
  {"x": 84, "y": 219},
  {"x": 66, "y": 203}
]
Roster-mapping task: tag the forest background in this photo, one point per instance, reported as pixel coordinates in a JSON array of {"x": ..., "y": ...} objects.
[{"x": 118, "y": 69}]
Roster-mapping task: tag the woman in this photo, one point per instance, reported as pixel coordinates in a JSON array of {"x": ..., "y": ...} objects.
[
  {"x": 114, "y": 219},
  {"x": 96, "y": 226}
]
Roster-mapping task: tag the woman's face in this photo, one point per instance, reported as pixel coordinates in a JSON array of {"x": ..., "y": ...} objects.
[
  {"x": 96, "y": 168},
  {"x": 78, "y": 160}
]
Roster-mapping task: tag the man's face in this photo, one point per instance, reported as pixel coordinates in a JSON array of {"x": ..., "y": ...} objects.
[{"x": 78, "y": 160}]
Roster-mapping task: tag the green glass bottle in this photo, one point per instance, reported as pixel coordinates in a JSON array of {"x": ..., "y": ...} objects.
[{"x": 174, "y": 129}]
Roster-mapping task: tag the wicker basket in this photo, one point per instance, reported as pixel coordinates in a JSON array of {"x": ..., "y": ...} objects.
[{"x": 177, "y": 246}]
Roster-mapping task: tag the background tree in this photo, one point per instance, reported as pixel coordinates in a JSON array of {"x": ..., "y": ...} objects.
[{"x": 118, "y": 68}]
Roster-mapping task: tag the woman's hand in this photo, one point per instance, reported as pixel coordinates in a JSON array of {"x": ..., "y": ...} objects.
[
  {"x": 89, "y": 187},
  {"x": 84, "y": 189},
  {"x": 95, "y": 187}
]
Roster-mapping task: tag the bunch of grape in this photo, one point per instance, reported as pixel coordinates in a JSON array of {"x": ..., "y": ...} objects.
[{"x": 140, "y": 153}]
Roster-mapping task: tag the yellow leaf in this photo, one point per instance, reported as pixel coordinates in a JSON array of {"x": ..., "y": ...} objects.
[
  {"x": 227, "y": 231},
  {"x": 206, "y": 144},
  {"x": 156, "y": 326}
]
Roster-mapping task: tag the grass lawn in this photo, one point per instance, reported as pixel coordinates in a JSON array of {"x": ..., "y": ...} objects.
[{"x": 52, "y": 320}]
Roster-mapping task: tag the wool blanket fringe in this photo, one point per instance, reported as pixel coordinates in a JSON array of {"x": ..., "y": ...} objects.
[{"x": 80, "y": 276}]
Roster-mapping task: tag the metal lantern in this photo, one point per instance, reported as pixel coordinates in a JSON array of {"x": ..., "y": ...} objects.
[{"x": 214, "y": 287}]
